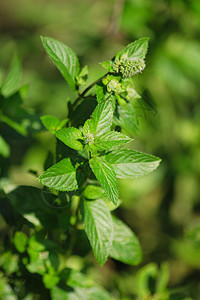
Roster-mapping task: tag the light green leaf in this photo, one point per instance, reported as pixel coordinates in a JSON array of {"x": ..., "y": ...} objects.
[
  {"x": 106, "y": 176},
  {"x": 111, "y": 139},
  {"x": 107, "y": 65},
  {"x": 125, "y": 246},
  {"x": 136, "y": 50},
  {"x": 20, "y": 241},
  {"x": 64, "y": 58},
  {"x": 130, "y": 163},
  {"x": 11, "y": 83},
  {"x": 102, "y": 117},
  {"x": 70, "y": 136},
  {"x": 50, "y": 122},
  {"x": 98, "y": 227},
  {"x": 4, "y": 147},
  {"x": 50, "y": 280},
  {"x": 93, "y": 192},
  {"x": 61, "y": 176}
]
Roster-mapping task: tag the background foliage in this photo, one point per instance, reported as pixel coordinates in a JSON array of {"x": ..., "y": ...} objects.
[{"x": 162, "y": 208}]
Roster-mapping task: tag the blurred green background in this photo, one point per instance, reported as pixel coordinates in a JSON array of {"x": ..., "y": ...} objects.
[{"x": 162, "y": 208}]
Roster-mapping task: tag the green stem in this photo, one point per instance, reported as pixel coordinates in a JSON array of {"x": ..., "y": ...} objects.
[
  {"x": 74, "y": 230},
  {"x": 85, "y": 92}
]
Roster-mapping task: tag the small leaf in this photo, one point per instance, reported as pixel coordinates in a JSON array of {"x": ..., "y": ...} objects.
[
  {"x": 50, "y": 122},
  {"x": 50, "y": 280},
  {"x": 82, "y": 76},
  {"x": 11, "y": 83},
  {"x": 106, "y": 176},
  {"x": 111, "y": 139},
  {"x": 136, "y": 50},
  {"x": 130, "y": 163},
  {"x": 125, "y": 246},
  {"x": 102, "y": 117},
  {"x": 61, "y": 176},
  {"x": 64, "y": 58},
  {"x": 4, "y": 147},
  {"x": 20, "y": 241},
  {"x": 107, "y": 65},
  {"x": 98, "y": 227},
  {"x": 93, "y": 192},
  {"x": 70, "y": 136}
]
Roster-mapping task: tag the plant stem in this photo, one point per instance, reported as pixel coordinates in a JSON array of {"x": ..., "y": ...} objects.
[{"x": 84, "y": 92}]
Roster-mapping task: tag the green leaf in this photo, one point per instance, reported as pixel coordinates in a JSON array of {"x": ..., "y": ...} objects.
[
  {"x": 107, "y": 65},
  {"x": 61, "y": 176},
  {"x": 127, "y": 118},
  {"x": 102, "y": 117},
  {"x": 93, "y": 192},
  {"x": 130, "y": 163},
  {"x": 11, "y": 83},
  {"x": 50, "y": 280},
  {"x": 70, "y": 136},
  {"x": 125, "y": 246},
  {"x": 4, "y": 147},
  {"x": 98, "y": 227},
  {"x": 50, "y": 122},
  {"x": 111, "y": 139},
  {"x": 82, "y": 76},
  {"x": 136, "y": 50},
  {"x": 64, "y": 58},
  {"x": 106, "y": 176},
  {"x": 20, "y": 241}
]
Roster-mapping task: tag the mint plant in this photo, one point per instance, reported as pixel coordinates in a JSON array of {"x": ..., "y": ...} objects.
[
  {"x": 81, "y": 191},
  {"x": 96, "y": 161}
]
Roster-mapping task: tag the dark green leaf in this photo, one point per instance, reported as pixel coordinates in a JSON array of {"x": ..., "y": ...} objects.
[
  {"x": 11, "y": 83},
  {"x": 61, "y": 176},
  {"x": 111, "y": 140},
  {"x": 70, "y": 136},
  {"x": 64, "y": 58},
  {"x": 106, "y": 176},
  {"x": 125, "y": 246},
  {"x": 130, "y": 163},
  {"x": 98, "y": 227}
]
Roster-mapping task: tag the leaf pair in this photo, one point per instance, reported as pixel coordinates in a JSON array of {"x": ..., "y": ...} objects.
[{"x": 109, "y": 236}]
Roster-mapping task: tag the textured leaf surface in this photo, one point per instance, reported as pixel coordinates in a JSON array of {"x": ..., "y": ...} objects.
[
  {"x": 70, "y": 136},
  {"x": 99, "y": 228},
  {"x": 106, "y": 176},
  {"x": 64, "y": 58},
  {"x": 130, "y": 163},
  {"x": 102, "y": 117},
  {"x": 11, "y": 83},
  {"x": 61, "y": 176},
  {"x": 125, "y": 246},
  {"x": 137, "y": 49},
  {"x": 111, "y": 139}
]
